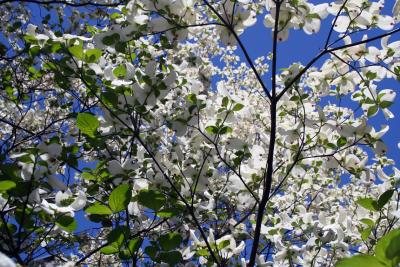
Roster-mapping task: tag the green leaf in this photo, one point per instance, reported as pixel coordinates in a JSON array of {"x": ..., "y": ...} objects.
[
  {"x": 331, "y": 145},
  {"x": 120, "y": 71},
  {"x": 87, "y": 123},
  {"x": 118, "y": 236},
  {"x": 67, "y": 223},
  {"x": 6, "y": 185},
  {"x": 384, "y": 198},
  {"x": 212, "y": 129},
  {"x": 92, "y": 55},
  {"x": 110, "y": 249},
  {"x": 313, "y": 16},
  {"x": 21, "y": 190},
  {"x": 109, "y": 98},
  {"x": 120, "y": 47},
  {"x": 134, "y": 244},
  {"x": 88, "y": 176},
  {"x": 169, "y": 212},
  {"x": 371, "y": 75},
  {"x": 393, "y": 250},
  {"x": 98, "y": 209},
  {"x": 368, "y": 222},
  {"x": 372, "y": 111},
  {"x": 112, "y": 39},
  {"x": 30, "y": 38},
  {"x": 388, "y": 249},
  {"x": 365, "y": 233},
  {"x": 202, "y": 252},
  {"x": 151, "y": 199},
  {"x": 125, "y": 254},
  {"x": 77, "y": 51},
  {"x": 342, "y": 141},
  {"x": 225, "y": 130},
  {"x": 385, "y": 104},
  {"x": 360, "y": 260},
  {"x": 225, "y": 101},
  {"x": 172, "y": 257},
  {"x": 238, "y": 107},
  {"x": 115, "y": 15},
  {"x": 151, "y": 251},
  {"x": 223, "y": 244},
  {"x": 192, "y": 99},
  {"x": 120, "y": 198},
  {"x": 170, "y": 241},
  {"x": 368, "y": 203},
  {"x": 34, "y": 50}
]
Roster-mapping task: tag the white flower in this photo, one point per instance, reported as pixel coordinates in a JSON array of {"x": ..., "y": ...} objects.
[
  {"x": 396, "y": 10},
  {"x": 342, "y": 24},
  {"x": 5, "y": 261},
  {"x": 55, "y": 182}
]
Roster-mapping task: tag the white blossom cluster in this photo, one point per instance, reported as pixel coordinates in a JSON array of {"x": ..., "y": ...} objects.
[{"x": 161, "y": 132}]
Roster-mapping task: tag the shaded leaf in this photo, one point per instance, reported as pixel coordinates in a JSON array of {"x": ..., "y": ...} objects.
[
  {"x": 67, "y": 223},
  {"x": 384, "y": 198},
  {"x": 172, "y": 257},
  {"x": 118, "y": 236},
  {"x": 151, "y": 199},
  {"x": 170, "y": 241}
]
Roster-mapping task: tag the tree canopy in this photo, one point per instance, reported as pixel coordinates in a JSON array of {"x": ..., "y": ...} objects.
[{"x": 143, "y": 133}]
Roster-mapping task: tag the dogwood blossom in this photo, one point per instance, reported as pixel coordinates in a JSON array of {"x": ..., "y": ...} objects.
[{"x": 144, "y": 132}]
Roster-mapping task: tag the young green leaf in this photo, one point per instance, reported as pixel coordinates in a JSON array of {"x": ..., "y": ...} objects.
[
  {"x": 368, "y": 203},
  {"x": 238, "y": 107},
  {"x": 134, "y": 244},
  {"x": 212, "y": 129},
  {"x": 120, "y": 198},
  {"x": 372, "y": 111},
  {"x": 98, "y": 209},
  {"x": 6, "y": 185},
  {"x": 92, "y": 55},
  {"x": 87, "y": 123},
  {"x": 342, "y": 141},
  {"x": 110, "y": 249},
  {"x": 77, "y": 51},
  {"x": 120, "y": 71}
]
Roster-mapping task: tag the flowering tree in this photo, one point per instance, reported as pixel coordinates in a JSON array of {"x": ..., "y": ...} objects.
[{"x": 142, "y": 132}]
